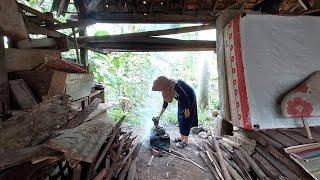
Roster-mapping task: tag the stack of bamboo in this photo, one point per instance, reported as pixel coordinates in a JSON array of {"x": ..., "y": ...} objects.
[{"x": 229, "y": 159}]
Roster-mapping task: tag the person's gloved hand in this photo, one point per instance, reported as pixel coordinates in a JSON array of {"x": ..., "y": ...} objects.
[{"x": 186, "y": 113}]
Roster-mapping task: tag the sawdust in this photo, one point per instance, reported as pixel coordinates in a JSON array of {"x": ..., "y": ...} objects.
[{"x": 169, "y": 167}]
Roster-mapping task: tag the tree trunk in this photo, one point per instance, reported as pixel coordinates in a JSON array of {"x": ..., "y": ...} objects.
[{"x": 204, "y": 85}]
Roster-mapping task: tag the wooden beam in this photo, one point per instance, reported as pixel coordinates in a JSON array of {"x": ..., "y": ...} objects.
[
  {"x": 152, "y": 18},
  {"x": 152, "y": 45},
  {"x": 12, "y": 24},
  {"x": 38, "y": 13},
  {"x": 52, "y": 43},
  {"x": 27, "y": 59},
  {"x": 73, "y": 24},
  {"x": 155, "y": 33},
  {"x": 305, "y": 4},
  {"x": 35, "y": 29},
  {"x": 92, "y": 5}
]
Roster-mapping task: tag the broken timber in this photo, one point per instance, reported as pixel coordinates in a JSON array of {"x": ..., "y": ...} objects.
[{"x": 83, "y": 142}]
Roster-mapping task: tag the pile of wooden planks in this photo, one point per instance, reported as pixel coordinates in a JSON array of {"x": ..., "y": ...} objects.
[
  {"x": 52, "y": 132},
  {"x": 240, "y": 157},
  {"x": 118, "y": 156}
]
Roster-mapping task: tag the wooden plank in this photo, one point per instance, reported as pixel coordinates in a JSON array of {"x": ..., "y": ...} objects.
[
  {"x": 49, "y": 43},
  {"x": 294, "y": 167},
  {"x": 4, "y": 87},
  {"x": 92, "y": 5},
  {"x": 264, "y": 140},
  {"x": 74, "y": 24},
  {"x": 78, "y": 85},
  {"x": 253, "y": 165},
  {"x": 28, "y": 59},
  {"x": 305, "y": 4},
  {"x": 35, "y": 29},
  {"x": 76, "y": 172},
  {"x": 286, "y": 141},
  {"x": 83, "y": 142},
  {"x": 11, "y": 23},
  {"x": 21, "y": 94},
  {"x": 179, "y": 45},
  {"x": 80, "y": 118},
  {"x": 11, "y": 158},
  {"x": 281, "y": 167},
  {"x": 37, "y": 125},
  {"x": 297, "y": 137},
  {"x": 115, "y": 131},
  {"x": 222, "y": 161},
  {"x": 266, "y": 166},
  {"x": 153, "y": 33},
  {"x": 38, "y": 82},
  {"x": 156, "y": 18},
  {"x": 38, "y": 13},
  {"x": 316, "y": 136}
]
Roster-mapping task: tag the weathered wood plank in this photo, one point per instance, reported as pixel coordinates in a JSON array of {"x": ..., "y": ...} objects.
[
  {"x": 83, "y": 142},
  {"x": 35, "y": 29},
  {"x": 38, "y": 13},
  {"x": 27, "y": 59},
  {"x": 51, "y": 83},
  {"x": 36, "y": 126},
  {"x": 49, "y": 43},
  {"x": 294, "y": 167},
  {"x": 151, "y": 33},
  {"x": 299, "y": 138},
  {"x": 266, "y": 166},
  {"x": 253, "y": 165},
  {"x": 264, "y": 139},
  {"x": 281, "y": 167},
  {"x": 21, "y": 94},
  {"x": 38, "y": 82},
  {"x": 80, "y": 118},
  {"x": 163, "y": 18},
  {"x": 14, "y": 157},
  {"x": 11, "y": 23},
  {"x": 286, "y": 141}
]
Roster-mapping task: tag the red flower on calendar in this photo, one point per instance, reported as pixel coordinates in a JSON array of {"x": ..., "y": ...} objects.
[{"x": 299, "y": 108}]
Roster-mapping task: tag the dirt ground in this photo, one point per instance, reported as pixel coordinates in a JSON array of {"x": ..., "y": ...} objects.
[{"x": 169, "y": 167}]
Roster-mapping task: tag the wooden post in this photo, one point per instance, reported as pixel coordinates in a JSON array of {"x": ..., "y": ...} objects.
[
  {"x": 4, "y": 89},
  {"x": 306, "y": 127},
  {"x": 83, "y": 51},
  {"x": 76, "y": 43}
]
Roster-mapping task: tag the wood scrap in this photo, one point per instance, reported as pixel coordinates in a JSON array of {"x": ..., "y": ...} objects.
[
  {"x": 222, "y": 162},
  {"x": 133, "y": 170},
  {"x": 12, "y": 24},
  {"x": 11, "y": 158},
  {"x": 83, "y": 142},
  {"x": 254, "y": 165},
  {"x": 21, "y": 94},
  {"x": 115, "y": 131},
  {"x": 209, "y": 165},
  {"x": 186, "y": 159},
  {"x": 266, "y": 166},
  {"x": 36, "y": 126},
  {"x": 84, "y": 114}
]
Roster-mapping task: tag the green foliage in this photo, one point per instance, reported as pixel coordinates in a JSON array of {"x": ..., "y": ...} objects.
[{"x": 101, "y": 33}]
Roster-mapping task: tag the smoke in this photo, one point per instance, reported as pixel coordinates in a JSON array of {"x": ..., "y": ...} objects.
[{"x": 152, "y": 107}]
